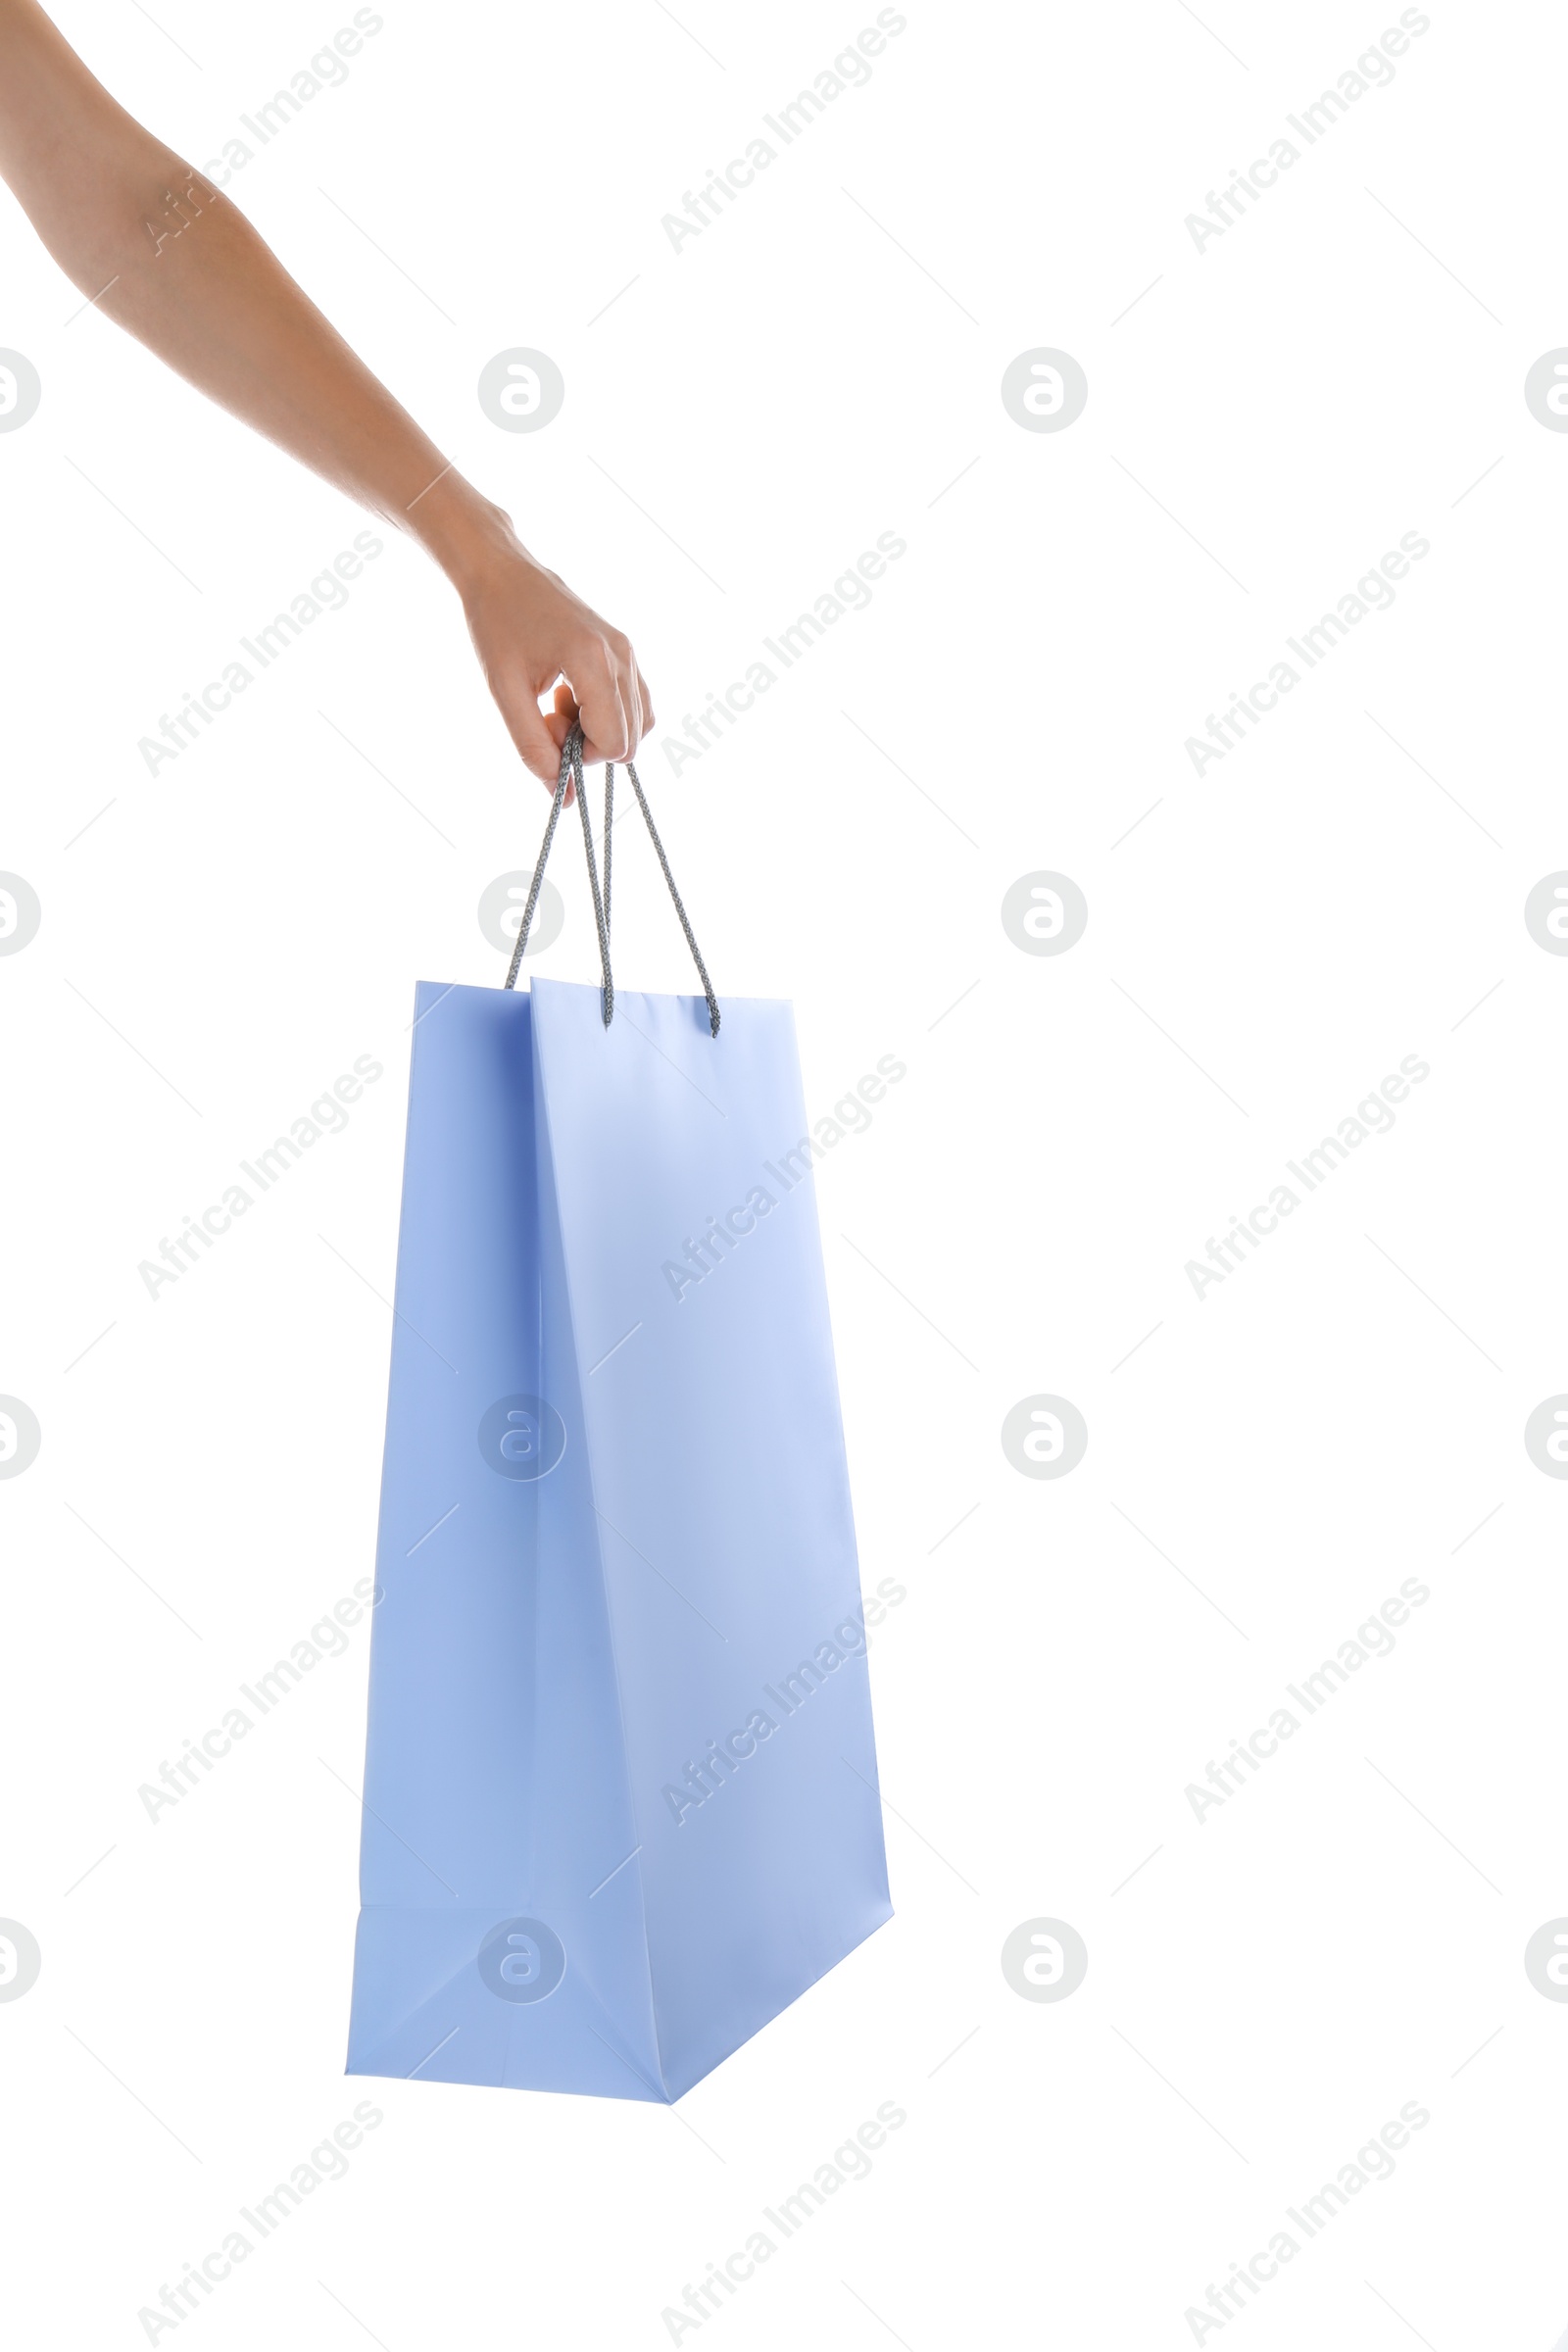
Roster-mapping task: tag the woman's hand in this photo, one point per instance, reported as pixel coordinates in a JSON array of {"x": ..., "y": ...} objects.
[
  {"x": 214, "y": 302},
  {"x": 529, "y": 630}
]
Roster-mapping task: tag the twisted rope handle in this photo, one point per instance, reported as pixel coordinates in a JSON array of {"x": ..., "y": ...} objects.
[
  {"x": 571, "y": 771},
  {"x": 680, "y": 910}
]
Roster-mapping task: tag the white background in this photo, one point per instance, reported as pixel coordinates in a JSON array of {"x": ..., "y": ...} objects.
[{"x": 1344, "y": 365}]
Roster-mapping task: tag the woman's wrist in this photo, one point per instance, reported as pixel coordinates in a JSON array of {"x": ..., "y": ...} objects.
[{"x": 469, "y": 536}]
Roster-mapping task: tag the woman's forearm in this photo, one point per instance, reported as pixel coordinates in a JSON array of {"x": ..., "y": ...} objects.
[
  {"x": 166, "y": 256},
  {"x": 169, "y": 258}
]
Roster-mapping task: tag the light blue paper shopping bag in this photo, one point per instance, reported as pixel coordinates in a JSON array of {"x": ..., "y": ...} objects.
[{"x": 620, "y": 1794}]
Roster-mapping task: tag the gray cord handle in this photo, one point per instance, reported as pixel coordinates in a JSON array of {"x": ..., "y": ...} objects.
[{"x": 571, "y": 771}]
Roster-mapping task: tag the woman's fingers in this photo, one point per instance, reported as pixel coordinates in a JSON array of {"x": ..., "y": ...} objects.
[
  {"x": 595, "y": 677},
  {"x": 537, "y": 742},
  {"x": 559, "y": 722},
  {"x": 531, "y": 630},
  {"x": 629, "y": 686}
]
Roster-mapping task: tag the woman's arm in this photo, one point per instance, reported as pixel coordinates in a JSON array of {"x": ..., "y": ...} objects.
[{"x": 168, "y": 257}]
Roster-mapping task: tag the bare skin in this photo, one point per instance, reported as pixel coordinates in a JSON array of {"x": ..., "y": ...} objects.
[{"x": 168, "y": 257}]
